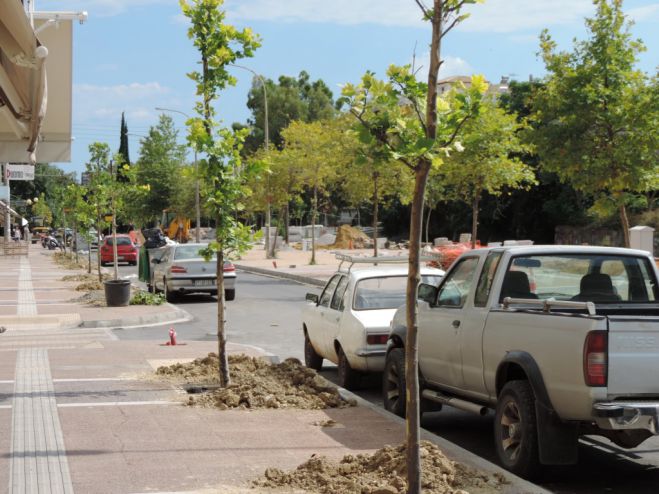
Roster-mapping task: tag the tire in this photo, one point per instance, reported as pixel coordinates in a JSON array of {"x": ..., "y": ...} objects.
[
  {"x": 311, "y": 359},
  {"x": 229, "y": 294},
  {"x": 348, "y": 377},
  {"x": 169, "y": 295},
  {"x": 393, "y": 382},
  {"x": 516, "y": 429}
]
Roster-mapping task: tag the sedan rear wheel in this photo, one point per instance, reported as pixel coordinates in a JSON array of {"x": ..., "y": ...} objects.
[
  {"x": 393, "y": 382},
  {"x": 311, "y": 358},
  {"x": 348, "y": 377},
  {"x": 169, "y": 295}
]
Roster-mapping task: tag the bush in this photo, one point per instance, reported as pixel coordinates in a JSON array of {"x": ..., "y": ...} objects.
[{"x": 146, "y": 298}]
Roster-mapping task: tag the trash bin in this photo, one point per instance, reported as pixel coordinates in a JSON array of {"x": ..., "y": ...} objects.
[{"x": 117, "y": 293}]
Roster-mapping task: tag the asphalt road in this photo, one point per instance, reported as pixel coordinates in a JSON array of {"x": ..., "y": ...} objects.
[{"x": 266, "y": 313}]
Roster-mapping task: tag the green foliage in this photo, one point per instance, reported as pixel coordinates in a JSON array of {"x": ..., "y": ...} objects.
[
  {"x": 159, "y": 166},
  {"x": 289, "y": 99},
  {"x": 595, "y": 120},
  {"x": 142, "y": 297}
]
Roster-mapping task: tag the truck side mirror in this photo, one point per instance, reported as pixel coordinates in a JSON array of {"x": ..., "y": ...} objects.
[
  {"x": 427, "y": 293},
  {"x": 312, "y": 297}
]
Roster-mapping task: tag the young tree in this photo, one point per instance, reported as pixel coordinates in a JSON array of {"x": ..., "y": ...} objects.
[
  {"x": 409, "y": 119},
  {"x": 98, "y": 168},
  {"x": 596, "y": 118},
  {"x": 487, "y": 159},
  {"x": 318, "y": 149},
  {"x": 219, "y": 45},
  {"x": 82, "y": 216}
]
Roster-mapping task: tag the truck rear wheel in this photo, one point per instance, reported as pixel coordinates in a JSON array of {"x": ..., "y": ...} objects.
[
  {"x": 393, "y": 382},
  {"x": 516, "y": 429}
]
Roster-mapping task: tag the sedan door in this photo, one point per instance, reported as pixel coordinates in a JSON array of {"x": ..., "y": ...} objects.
[{"x": 317, "y": 317}]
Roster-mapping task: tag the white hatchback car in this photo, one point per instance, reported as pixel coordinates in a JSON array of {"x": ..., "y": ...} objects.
[{"x": 349, "y": 322}]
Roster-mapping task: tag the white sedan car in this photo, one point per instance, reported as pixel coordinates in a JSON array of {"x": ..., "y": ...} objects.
[
  {"x": 349, "y": 322},
  {"x": 181, "y": 269}
]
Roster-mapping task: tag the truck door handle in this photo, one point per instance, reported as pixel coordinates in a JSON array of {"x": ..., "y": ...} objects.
[{"x": 456, "y": 324}]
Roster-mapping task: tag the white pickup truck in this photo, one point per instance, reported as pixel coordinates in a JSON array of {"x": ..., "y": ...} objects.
[{"x": 561, "y": 341}]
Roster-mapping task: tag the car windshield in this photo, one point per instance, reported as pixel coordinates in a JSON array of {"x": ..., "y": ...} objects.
[
  {"x": 386, "y": 292},
  {"x": 581, "y": 277},
  {"x": 120, "y": 241}
]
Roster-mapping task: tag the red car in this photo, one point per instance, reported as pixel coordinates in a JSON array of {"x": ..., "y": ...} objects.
[{"x": 126, "y": 250}]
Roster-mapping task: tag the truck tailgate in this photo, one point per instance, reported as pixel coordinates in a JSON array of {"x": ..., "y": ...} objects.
[{"x": 633, "y": 355}]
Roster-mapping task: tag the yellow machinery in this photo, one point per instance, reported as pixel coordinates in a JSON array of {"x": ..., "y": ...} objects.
[{"x": 175, "y": 226}]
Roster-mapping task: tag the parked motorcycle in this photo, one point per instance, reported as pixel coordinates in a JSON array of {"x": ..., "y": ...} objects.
[{"x": 52, "y": 243}]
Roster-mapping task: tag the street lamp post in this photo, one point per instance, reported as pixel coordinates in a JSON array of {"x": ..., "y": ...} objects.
[
  {"x": 266, "y": 130},
  {"x": 196, "y": 173}
]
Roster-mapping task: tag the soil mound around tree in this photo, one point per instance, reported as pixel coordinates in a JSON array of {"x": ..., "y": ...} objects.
[
  {"x": 382, "y": 472},
  {"x": 349, "y": 237},
  {"x": 255, "y": 384}
]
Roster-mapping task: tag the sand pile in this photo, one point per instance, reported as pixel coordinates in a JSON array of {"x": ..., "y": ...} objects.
[{"x": 349, "y": 237}]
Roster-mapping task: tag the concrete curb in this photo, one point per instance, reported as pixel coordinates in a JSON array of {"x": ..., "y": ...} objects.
[
  {"x": 178, "y": 315},
  {"x": 307, "y": 280},
  {"x": 517, "y": 484}
]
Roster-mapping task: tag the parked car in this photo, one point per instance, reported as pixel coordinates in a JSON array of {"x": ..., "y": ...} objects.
[
  {"x": 349, "y": 322},
  {"x": 561, "y": 341},
  {"x": 181, "y": 269},
  {"x": 126, "y": 250}
]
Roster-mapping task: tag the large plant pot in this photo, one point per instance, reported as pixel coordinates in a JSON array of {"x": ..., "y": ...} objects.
[{"x": 117, "y": 293}]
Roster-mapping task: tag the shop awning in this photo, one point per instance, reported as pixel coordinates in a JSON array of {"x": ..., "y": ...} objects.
[
  {"x": 35, "y": 113},
  {"x": 22, "y": 81}
]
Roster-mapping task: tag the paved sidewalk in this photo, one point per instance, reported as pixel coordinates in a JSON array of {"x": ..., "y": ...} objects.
[
  {"x": 79, "y": 414},
  {"x": 32, "y": 292}
]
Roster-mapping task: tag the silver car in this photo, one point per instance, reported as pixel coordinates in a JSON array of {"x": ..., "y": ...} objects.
[{"x": 181, "y": 269}]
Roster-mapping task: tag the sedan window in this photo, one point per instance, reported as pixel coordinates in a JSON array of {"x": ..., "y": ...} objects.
[
  {"x": 329, "y": 291},
  {"x": 337, "y": 299},
  {"x": 189, "y": 252},
  {"x": 380, "y": 293}
]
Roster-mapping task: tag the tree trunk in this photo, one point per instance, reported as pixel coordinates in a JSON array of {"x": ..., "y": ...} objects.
[
  {"x": 268, "y": 219},
  {"x": 313, "y": 225},
  {"x": 624, "y": 221},
  {"x": 428, "y": 225},
  {"x": 375, "y": 213},
  {"x": 474, "y": 220},
  {"x": 287, "y": 220},
  {"x": 422, "y": 170},
  {"x": 225, "y": 378},
  {"x": 114, "y": 242},
  {"x": 98, "y": 251},
  {"x": 411, "y": 349},
  {"x": 73, "y": 240}
]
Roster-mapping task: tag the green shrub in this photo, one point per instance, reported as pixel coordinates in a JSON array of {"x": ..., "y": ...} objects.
[{"x": 145, "y": 298}]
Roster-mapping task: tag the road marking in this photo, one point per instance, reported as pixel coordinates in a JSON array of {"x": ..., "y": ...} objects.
[
  {"x": 5, "y": 407},
  {"x": 8, "y": 381},
  {"x": 26, "y": 305},
  {"x": 38, "y": 460},
  {"x": 117, "y": 404}
]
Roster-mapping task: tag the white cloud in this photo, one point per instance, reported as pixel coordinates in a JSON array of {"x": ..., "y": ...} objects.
[
  {"x": 103, "y": 103},
  {"x": 502, "y": 16},
  {"x": 451, "y": 66},
  {"x": 645, "y": 13}
]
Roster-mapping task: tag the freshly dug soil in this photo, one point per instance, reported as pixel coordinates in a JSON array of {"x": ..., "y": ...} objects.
[
  {"x": 349, "y": 237},
  {"x": 68, "y": 261},
  {"x": 256, "y": 384},
  {"x": 383, "y": 472},
  {"x": 95, "y": 298},
  {"x": 83, "y": 277},
  {"x": 89, "y": 285}
]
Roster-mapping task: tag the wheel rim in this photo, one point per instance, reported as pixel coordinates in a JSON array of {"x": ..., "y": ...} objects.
[
  {"x": 511, "y": 431},
  {"x": 393, "y": 387}
]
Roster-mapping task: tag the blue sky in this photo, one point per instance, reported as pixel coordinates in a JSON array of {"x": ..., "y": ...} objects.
[{"x": 132, "y": 55}]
